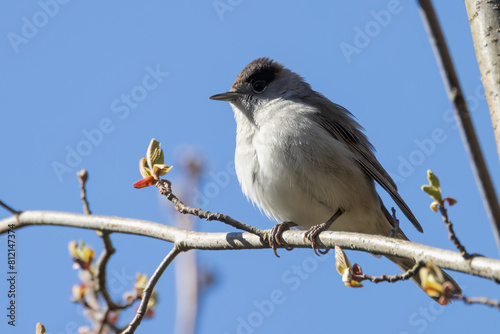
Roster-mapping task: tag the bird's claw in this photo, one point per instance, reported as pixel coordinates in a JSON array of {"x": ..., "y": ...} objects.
[
  {"x": 312, "y": 234},
  {"x": 275, "y": 236},
  {"x": 395, "y": 230}
]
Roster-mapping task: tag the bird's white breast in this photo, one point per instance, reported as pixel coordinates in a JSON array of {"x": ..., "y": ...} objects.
[{"x": 280, "y": 163}]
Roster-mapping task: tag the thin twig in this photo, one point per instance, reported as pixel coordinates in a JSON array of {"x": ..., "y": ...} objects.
[
  {"x": 451, "y": 233},
  {"x": 115, "y": 328},
  {"x": 462, "y": 114},
  {"x": 391, "y": 278},
  {"x": 109, "y": 250},
  {"x": 86, "y": 305},
  {"x": 83, "y": 177},
  {"x": 102, "y": 262},
  {"x": 104, "y": 321},
  {"x": 165, "y": 188},
  {"x": 146, "y": 294},
  {"x": 10, "y": 209},
  {"x": 100, "y": 275},
  {"x": 478, "y": 300}
]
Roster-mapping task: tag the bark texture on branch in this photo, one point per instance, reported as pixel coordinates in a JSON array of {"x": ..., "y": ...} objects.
[
  {"x": 484, "y": 20},
  {"x": 185, "y": 240}
]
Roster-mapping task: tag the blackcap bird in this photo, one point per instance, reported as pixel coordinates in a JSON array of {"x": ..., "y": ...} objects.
[{"x": 305, "y": 161}]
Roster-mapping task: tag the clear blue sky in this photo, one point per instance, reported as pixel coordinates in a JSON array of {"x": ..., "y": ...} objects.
[{"x": 88, "y": 65}]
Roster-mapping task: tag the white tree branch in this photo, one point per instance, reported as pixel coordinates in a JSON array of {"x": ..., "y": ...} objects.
[
  {"x": 185, "y": 240},
  {"x": 484, "y": 19}
]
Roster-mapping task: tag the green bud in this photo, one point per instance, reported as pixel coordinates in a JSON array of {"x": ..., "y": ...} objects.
[
  {"x": 155, "y": 154},
  {"x": 143, "y": 168},
  {"x": 433, "y": 192},
  {"x": 433, "y": 179}
]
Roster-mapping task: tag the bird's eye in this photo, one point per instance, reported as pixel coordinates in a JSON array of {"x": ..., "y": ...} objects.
[{"x": 259, "y": 86}]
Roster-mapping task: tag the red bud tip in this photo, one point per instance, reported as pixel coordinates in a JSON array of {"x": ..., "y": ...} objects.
[{"x": 146, "y": 182}]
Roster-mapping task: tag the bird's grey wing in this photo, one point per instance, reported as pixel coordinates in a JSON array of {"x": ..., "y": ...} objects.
[{"x": 352, "y": 136}]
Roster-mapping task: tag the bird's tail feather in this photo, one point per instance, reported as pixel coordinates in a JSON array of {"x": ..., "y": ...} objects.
[{"x": 407, "y": 264}]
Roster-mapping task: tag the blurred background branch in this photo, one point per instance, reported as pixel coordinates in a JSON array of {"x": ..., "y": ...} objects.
[{"x": 190, "y": 278}]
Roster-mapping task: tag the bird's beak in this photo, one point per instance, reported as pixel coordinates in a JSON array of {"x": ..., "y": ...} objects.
[{"x": 228, "y": 96}]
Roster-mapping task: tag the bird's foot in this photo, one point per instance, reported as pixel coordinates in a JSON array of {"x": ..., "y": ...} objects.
[
  {"x": 275, "y": 236},
  {"x": 395, "y": 229},
  {"x": 313, "y": 233}
]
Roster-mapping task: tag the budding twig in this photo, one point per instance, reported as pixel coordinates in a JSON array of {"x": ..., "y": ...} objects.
[
  {"x": 102, "y": 262},
  {"x": 102, "y": 326},
  {"x": 461, "y": 111},
  {"x": 165, "y": 188},
  {"x": 83, "y": 177},
  {"x": 391, "y": 278},
  {"x": 479, "y": 300},
  {"x": 100, "y": 274},
  {"x": 451, "y": 233}
]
